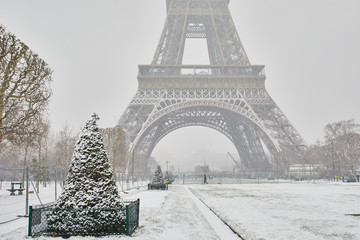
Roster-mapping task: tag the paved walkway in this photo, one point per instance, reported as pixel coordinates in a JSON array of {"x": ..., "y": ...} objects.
[
  {"x": 179, "y": 216},
  {"x": 216, "y": 223}
]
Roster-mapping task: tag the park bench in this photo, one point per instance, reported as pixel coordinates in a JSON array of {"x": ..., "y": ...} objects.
[{"x": 12, "y": 190}]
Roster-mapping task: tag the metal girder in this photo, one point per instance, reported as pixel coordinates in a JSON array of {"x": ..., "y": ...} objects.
[
  {"x": 228, "y": 95},
  {"x": 225, "y": 110},
  {"x": 208, "y": 19},
  {"x": 240, "y": 129}
]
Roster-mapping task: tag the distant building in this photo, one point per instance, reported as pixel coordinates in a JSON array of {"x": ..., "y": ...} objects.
[
  {"x": 202, "y": 169},
  {"x": 305, "y": 170}
]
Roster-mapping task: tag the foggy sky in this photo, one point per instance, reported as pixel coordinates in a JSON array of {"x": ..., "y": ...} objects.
[{"x": 310, "y": 50}]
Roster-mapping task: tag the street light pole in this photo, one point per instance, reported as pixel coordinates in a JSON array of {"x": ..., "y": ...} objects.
[
  {"x": 132, "y": 166},
  {"x": 332, "y": 157},
  {"x": 27, "y": 193}
]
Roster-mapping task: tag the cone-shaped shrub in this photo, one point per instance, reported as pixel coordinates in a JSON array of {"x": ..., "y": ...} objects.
[
  {"x": 90, "y": 203},
  {"x": 158, "y": 178}
]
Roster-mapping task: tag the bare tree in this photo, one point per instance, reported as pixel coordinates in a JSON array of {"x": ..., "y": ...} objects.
[
  {"x": 9, "y": 155},
  {"x": 27, "y": 143},
  {"x": 283, "y": 160},
  {"x": 48, "y": 142},
  {"x": 27, "y": 139},
  {"x": 9, "y": 159},
  {"x": 344, "y": 139},
  {"x": 43, "y": 131},
  {"x": 64, "y": 148},
  {"x": 323, "y": 157},
  {"x": 24, "y": 86},
  {"x": 348, "y": 152},
  {"x": 115, "y": 145},
  {"x": 316, "y": 158},
  {"x": 339, "y": 129}
]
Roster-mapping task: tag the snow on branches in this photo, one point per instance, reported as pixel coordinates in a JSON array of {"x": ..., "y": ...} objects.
[
  {"x": 90, "y": 201},
  {"x": 158, "y": 178}
]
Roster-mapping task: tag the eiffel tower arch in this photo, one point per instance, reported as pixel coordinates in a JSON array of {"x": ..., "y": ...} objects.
[{"x": 227, "y": 95}]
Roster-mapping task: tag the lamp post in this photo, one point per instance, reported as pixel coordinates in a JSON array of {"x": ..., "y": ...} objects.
[
  {"x": 132, "y": 166},
  {"x": 332, "y": 157},
  {"x": 27, "y": 193}
]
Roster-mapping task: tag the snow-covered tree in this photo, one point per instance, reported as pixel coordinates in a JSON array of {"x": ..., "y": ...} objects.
[
  {"x": 158, "y": 178},
  {"x": 90, "y": 202}
]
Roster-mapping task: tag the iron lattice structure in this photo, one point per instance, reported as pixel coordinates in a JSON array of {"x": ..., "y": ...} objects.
[{"x": 228, "y": 95}]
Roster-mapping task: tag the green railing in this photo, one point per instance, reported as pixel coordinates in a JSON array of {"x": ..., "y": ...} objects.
[
  {"x": 39, "y": 220},
  {"x": 157, "y": 186},
  {"x": 132, "y": 216}
]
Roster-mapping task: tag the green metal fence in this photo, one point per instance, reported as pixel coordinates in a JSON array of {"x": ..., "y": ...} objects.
[
  {"x": 39, "y": 220},
  {"x": 157, "y": 186},
  {"x": 132, "y": 216}
]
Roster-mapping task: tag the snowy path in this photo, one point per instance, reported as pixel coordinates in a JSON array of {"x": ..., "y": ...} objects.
[
  {"x": 223, "y": 231},
  {"x": 176, "y": 218}
]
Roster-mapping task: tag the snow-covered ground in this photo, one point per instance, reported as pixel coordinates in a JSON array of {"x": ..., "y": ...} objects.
[
  {"x": 163, "y": 215},
  {"x": 287, "y": 211},
  {"x": 13, "y": 206},
  {"x": 256, "y": 211}
]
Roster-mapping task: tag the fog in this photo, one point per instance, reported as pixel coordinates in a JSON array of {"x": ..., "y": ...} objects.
[{"x": 310, "y": 50}]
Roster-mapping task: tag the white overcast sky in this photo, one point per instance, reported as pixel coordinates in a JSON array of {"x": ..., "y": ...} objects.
[{"x": 310, "y": 49}]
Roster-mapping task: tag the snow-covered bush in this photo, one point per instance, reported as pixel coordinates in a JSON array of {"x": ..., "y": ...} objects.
[
  {"x": 158, "y": 178},
  {"x": 90, "y": 203}
]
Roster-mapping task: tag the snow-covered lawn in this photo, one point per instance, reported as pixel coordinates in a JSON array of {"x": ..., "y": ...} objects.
[
  {"x": 287, "y": 211},
  {"x": 163, "y": 215},
  {"x": 256, "y": 211},
  {"x": 12, "y": 206}
]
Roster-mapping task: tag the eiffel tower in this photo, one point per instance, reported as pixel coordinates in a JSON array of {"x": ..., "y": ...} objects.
[{"x": 228, "y": 95}]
